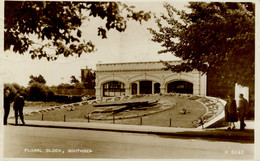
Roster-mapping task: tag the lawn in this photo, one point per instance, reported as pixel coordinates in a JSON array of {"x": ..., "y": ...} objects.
[{"x": 195, "y": 110}]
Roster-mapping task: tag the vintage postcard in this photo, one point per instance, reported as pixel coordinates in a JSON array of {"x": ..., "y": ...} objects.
[{"x": 83, "y": 80}]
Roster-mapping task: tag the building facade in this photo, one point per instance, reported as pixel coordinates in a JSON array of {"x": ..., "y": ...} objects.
[{"x": 120, "y": 79}]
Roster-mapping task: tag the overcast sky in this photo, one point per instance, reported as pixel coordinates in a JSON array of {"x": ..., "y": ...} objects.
[{"x": 130, "y": 46}]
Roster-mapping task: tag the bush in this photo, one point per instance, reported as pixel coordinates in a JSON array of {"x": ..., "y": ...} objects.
[
  {"x": 51, "y": 95},
  {"x": 65, "y": 85},
  {"x": 251, "y": 112},
  {"x": 38, "y": 92},
  {"x": 67, "y": 99},
  {"x": 61, "y": 98},
  {"x": 13, "y": 88},
  {"x": 13, "y": 91}
]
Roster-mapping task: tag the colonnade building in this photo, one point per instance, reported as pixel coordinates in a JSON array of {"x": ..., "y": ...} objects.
[{"x": 121, "y": 79}]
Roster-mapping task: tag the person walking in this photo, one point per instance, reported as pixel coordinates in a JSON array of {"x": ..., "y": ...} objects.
[
  {"x": 6, "y": 105},
  {"x": 242, "y": 110},
  {"x": 231, "y": 112},
  {"x": 18, "y": 108}
]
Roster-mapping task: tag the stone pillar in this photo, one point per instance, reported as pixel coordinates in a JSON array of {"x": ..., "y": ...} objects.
[
  {"x": 98, "y": 93},
  {"x": 127, "y": 91},
  {"x": 130, "y": 89},
  {"x": 196, "y": 84},
  {"x": 162, "y": 85},
  {"x": 203, "y": 85},
  {"x": 127, "y": 86},
  {"x": 162, "y": 90}
]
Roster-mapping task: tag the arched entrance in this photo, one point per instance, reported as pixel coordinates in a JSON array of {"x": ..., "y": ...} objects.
[
  {"x": 146, "y": 87},
  {"x": 113, "y": 88},
  {"x": 180, "y": 87},
  {"x": 134, "y": 89},
  {"x": 157, "y": 88}
]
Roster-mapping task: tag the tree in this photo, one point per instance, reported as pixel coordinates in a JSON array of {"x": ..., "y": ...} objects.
[
  {"x": 74, "y": 80},
  {"x": 59, "y": 23},
  {"x": 12, "y": 89},
  {"x": 89, "y": 80},
  {"x": 38, "y": 92},
  {"x": 40, "y": 79},
  {"x": 65, "y": 86},
  {"x": 212, "y": 37}
]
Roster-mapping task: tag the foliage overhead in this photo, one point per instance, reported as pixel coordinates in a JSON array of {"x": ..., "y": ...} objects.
[
  {"x": 59, "y": 23},
  {"x": 34, "y": 79},
  {"x": 213, "y": 37}
]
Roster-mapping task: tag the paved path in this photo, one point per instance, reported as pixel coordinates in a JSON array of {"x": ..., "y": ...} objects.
[
  {"x": 40, "y": 142},
  {"x": 247, "y": 134}
]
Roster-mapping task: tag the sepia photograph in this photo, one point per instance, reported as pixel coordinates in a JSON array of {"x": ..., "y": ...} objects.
[{"x": 84, "y": 80}]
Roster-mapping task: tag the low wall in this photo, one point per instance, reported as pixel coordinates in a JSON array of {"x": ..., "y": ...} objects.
[
  {"x": 75, "y": 92},
  {"x": 217, "y": 115}
]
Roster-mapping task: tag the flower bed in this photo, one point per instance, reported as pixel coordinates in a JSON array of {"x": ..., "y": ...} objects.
[
  {"x": 167, "y": 110},
  {"x": 213, "y": 108}
]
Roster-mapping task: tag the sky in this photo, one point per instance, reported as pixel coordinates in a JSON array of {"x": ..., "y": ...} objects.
[{"x": 133, "y": 45}]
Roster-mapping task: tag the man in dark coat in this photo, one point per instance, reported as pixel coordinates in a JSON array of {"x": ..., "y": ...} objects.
[
  {"x": 231, "y": 112},
  {"x": 18, "y": 107},
  {"x": 6, "y": 105},
  {"x": 243, "y": 110}
]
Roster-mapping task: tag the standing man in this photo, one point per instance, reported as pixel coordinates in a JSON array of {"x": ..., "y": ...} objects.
[
  {"x": 6, "y": 105},
  {"x": 243, "y": 110},
  {"x": 18, "y": 107}
]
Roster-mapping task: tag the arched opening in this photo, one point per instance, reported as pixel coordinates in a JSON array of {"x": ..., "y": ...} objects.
[
  {"x": 180, "y": 87},
  {"x": 134, "y": 88},
  {"x": 157, "y": 88},
  {"x": 113, "y": 88},
  {"x": 146, "y": 87}
]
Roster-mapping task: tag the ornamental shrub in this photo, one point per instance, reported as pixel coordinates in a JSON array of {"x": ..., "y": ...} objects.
[{"x": 38, "y": 92}]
